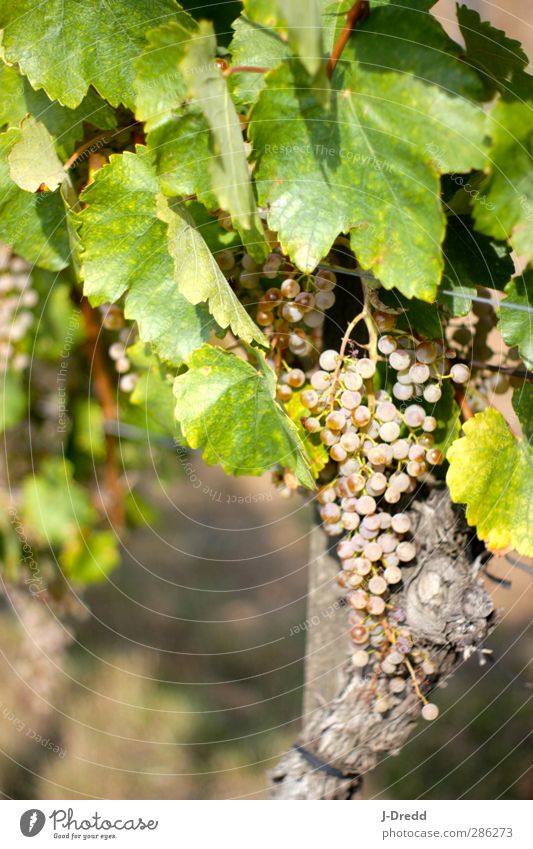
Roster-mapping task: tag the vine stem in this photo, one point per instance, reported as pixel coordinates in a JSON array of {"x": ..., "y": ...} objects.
[
  {"x": 415, "y": 682},
  {"x": 345, "y": 339},
  {"x": 366, "y": 316},
  {"x": 358, "y": 12},
  {"x": 104, "y": 391},
  {"x": 83, "y": 147},
  {"x": 248, "y": 69},
  {"x": 464, "y": 406}
]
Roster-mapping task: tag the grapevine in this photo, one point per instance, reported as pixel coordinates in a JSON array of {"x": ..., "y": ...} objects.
[{"x": 302, "y": 250}]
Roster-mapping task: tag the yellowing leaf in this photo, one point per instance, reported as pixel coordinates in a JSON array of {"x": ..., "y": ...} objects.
[
  {"x": 33, "y": 160},
  {"x": 492, "y": 473},
  {"x": 198, "y": 277}
]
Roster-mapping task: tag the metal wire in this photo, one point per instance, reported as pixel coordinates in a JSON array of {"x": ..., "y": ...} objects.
[{"x": 478, "y": 298}]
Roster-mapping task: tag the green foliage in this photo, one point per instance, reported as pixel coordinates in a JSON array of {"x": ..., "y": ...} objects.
[
  {"x": 497, "y": 56},
  {"x": 523, "y": 407},
  {"x": 516, "y": 325},
  {"x": 504, "y": 208},
  {"x": 33, "y": 224},
  {"x": 492, "y": 472},
  {"x": 55, "y": 506},
  {"x": 76, "y": 50},
  {"x": 228, "y": 166},
  {"x": 471, "y": 260},
  {"x": 13, "y": 400},
  {"x": 192, "y": 190},
  {"x": 226, "y": 406},
  {"x": 324, "y": 173},
  {"x": 33, "y": 160},
  {"x": 125, "y": 251},
  {"x": 198, "y": 276}
]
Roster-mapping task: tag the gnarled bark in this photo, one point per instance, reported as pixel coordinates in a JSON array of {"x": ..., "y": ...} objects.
[{"x": 448, "y": 612}]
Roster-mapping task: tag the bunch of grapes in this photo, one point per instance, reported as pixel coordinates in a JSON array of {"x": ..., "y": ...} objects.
[
  {"x": 382, "y": 446},
  {"x": 289, "y": 306},
  {"x": 113, "y": 320},
  {"x": 17, "y": 298}
]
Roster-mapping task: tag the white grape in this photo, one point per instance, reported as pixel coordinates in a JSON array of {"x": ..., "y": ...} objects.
[
  {"x": 389, "y": 431},
  {"x": 328, "y": 360},
  {"x": 430, "y": 711},
  {"x": 432, "y": 393},
  {"x": 401, "y": 392},
  {"x": 406, "y": 551},
  {"x": 419, "y": 373},
  {"x": 460, "y": 373},
  {"x": 400, "y": 360},
  {"x": 366, "y": 368},
  {"x": 414, "y": 415},
  {"x": 386, "y": 345},
  {"x": 401, "y": 523},
  {"x": 386, "y": 411}
]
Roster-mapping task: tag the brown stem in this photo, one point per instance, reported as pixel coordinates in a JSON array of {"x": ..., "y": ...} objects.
[
  {"x": 464, "y": 406},
  {"x": 104, "y": 137},
  {"x": 106, "y": 396},
  {"x": 248, "y": 69},
  {"x": 358, "y": 12}
]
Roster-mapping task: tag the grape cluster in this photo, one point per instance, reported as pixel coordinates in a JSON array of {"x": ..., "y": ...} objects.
[
  {"x": 291, "y": 312},
  {"x": 113, "y": 319},
  {"x": 382, "y": 446},
  {"x": 17, "y": 298}
]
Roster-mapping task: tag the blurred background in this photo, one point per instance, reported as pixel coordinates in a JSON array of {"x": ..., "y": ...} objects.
[{"x": 181, "y": 676}]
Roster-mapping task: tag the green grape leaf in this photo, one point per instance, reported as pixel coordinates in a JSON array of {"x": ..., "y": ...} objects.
[
  {"x": 523, "y": 407},
  {"x": 65, "y": 125},
  {"x": 125, "y": 250},
  {"x": 425, "y": 318},
  {"x": 60, "y": 327},
  {"x": 254, "y": 45},
  {"x": 504, "y": 208},
  {"x": 371, "y": 167},
  {"x": 33, "y": 160},
  {"x": 490, "y": 49},
  {"x": 88, "y": 431},
  {"x": 181, "y": 149},
  {"x": 178, "y": 133},
  {"x": 13, "y": 399},
  {"x": 304, "y": 29},
  {"x": 198, "y": 276},
  {"x": 492, "y": 473},
  {"x": 317, "y": 453},
  {"x": 64, "y": 48},
  {"x": 448, "y": 416},
  {"x": 471, "y": 260},
  {"x": 516, "y": 325},
  {"x": 88, "y": 559},
  {"x": 160, "y": 89},
  {"x": 227, "y": 164},
  {"x": 226, "y": 406},
  {"x": 153, "y": 394},
  {"x": 32, "y": 224},
  {"x": 54, "y": 505}
]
